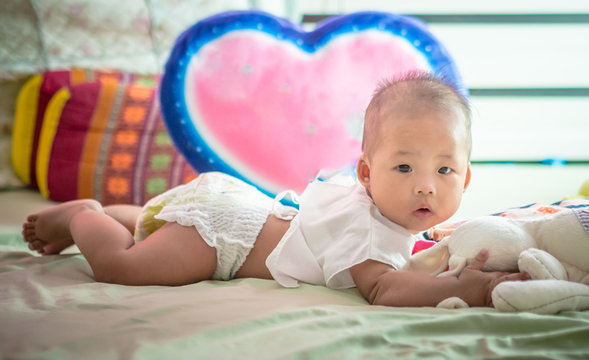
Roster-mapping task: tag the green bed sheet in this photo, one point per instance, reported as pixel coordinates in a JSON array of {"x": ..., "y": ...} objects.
[{"x": 52, "y": 309}]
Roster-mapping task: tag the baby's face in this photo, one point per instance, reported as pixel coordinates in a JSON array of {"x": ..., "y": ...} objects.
[{"x": 417, "y": 173}]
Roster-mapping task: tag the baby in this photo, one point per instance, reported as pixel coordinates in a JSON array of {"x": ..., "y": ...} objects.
[{"x": 411, "y": 176}]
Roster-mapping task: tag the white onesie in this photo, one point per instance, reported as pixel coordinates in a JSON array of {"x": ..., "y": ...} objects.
[{"x": 337, "y": 227}]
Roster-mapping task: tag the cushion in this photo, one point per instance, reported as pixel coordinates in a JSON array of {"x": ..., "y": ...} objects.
[
  {"x": 24, "y": 128},
  {"x": 30, "y": 110},
  {"x": 106, "y": 140}
]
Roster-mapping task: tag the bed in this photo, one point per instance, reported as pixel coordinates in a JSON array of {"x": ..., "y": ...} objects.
[{"x": 53, "y": 309}]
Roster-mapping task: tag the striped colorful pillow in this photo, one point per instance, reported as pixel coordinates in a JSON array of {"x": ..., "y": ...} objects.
[
  {"x": 31, "y": 105},
  {"x": 106, "y": 140}
]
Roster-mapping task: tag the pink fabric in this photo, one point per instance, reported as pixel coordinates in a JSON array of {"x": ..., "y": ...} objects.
[{"x": 422, "y": 245}]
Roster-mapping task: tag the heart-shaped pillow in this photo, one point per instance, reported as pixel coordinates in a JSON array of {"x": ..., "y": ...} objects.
[{"x": 257, "y": 97}]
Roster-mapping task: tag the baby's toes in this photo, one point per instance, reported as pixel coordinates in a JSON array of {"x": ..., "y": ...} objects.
[
  {"x": 29, "y": 235},
  {"x": 32, "y": 245},
  {"x": 32, "y": 218},
  {"x": 37, "y": 245}
]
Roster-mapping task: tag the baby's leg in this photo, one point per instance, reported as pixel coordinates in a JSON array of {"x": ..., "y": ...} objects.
[
  {"x": 125, "y": 214},
  {"x": 48, "y": 231},
  {"x": 172, "y": 255}
]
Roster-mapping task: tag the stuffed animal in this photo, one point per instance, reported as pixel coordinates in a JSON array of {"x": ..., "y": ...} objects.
[{"x": 553, "y": 249}]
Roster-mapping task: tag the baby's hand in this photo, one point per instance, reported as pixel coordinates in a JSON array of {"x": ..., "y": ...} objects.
[{"x": 478, "y": 285}]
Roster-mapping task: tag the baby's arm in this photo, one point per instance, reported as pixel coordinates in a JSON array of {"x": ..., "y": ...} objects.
[{"x": 381, "y": 284}]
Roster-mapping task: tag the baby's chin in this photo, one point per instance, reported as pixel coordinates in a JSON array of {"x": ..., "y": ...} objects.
[
  {"x": 418, "y": 221},
  {"x": 416, "y": 229},
  {"x": 421, "y": 226}
]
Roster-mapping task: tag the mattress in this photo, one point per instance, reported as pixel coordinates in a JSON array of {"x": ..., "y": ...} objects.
[{"x": 53, "y": 309}]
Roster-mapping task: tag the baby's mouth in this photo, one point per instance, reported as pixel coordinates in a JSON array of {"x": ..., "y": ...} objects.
[{"x": 423, "y": 212}]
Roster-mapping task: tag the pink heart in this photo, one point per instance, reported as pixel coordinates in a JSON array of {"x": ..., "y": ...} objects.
[{"x": 275, "y": 107}]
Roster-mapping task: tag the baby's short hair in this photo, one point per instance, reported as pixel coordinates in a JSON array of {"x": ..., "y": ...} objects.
[{"x": 417, "y": 88}]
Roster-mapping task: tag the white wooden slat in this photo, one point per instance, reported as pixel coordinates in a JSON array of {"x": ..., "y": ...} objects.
[
  {"x": 522, "y": 128},
  {"x": 508, "y": 55},
  {"x": 517, "y": 55},
  {"x": 443, "y": 7},
  {"x": 495, "y": 188}
]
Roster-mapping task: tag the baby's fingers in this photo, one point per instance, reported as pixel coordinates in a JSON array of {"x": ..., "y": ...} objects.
[
  {"x": 479, "y": 260},
  {"x": 521, "y": 276}
]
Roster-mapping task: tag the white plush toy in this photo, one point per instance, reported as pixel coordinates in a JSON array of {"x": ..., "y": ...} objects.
[{"x": 552, "y": 249}]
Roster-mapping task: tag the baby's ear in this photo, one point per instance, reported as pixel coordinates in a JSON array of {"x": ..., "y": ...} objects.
[
  {"x": 468, "y": 174},
  {"x": 363, "y": 171}
]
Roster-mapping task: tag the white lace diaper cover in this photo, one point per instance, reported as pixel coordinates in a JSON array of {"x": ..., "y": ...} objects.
[{"x": 228, "y": 214}]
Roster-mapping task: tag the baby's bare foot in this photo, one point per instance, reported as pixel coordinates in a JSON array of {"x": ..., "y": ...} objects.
[{"x": 48, "y": 231}]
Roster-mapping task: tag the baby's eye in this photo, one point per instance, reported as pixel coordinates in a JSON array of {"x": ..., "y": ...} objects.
[
  {"x": 403, "y": 168},
  {"x": 444, "y": 170}
]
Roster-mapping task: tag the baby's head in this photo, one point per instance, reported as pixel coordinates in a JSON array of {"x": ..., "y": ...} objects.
[{"x": 416, "y": 150}]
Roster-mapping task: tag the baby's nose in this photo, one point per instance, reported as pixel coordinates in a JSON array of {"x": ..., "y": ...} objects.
[{"x": 425, "y": 188}]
